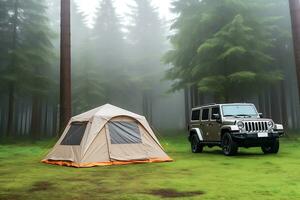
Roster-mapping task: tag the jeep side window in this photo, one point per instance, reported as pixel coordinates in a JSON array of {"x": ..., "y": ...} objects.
[
  {"x": 215, "y": 110},
  {"x": 195, "y": 115},
  {"x": 205, "y": 114}
]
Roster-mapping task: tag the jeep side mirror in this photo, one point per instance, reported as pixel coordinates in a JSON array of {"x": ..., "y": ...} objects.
[
  {"x": 261, "y": 115},
  {"x": 217, "y": 116}
]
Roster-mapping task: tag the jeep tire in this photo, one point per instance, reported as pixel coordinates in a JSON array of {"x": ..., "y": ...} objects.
[
  {"x": 196, "y": 146},
  {"x": 272, "y": 147},
  {"x": 229, "y": 147}
]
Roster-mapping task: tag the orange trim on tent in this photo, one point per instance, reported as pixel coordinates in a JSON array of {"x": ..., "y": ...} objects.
[{"x": 93, "y": 164}]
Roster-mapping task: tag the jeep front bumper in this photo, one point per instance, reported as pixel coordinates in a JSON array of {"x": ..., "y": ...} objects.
[{"x": 253, "y": 140}]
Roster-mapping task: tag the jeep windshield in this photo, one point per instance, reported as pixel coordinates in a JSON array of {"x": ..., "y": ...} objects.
[{"x": 239, "y": 111}]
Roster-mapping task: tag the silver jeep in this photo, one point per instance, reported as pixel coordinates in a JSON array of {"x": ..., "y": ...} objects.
[{"x": 231, "y": 126}]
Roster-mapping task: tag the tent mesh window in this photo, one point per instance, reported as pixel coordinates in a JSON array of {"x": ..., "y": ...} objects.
[
  {"x": 75, "y": 134},
  {"x": 124, "y": 132}
]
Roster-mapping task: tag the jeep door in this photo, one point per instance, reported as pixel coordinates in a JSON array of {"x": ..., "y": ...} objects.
[
  {"x": 204, "y": 123},
  {"x": 214, "y": 125}
]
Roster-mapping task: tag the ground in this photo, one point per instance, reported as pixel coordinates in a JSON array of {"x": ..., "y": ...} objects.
[{"x": 208, "y": 175}]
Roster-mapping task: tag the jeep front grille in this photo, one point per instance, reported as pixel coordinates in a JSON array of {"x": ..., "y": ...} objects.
[{"x": 256, "y": 126}]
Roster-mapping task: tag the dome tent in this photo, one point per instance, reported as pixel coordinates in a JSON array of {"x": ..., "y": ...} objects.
[{"x": 107, "y": 135}]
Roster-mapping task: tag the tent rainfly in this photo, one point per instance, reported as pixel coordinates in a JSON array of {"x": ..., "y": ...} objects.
[{"x": 107, "y": 135}]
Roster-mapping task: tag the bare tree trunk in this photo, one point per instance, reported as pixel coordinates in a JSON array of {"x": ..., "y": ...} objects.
[
  {"x": 275, "y": 104},
  {"x": 147, "y": 105},
  {"x": 22, "y": 105},
  {"x": 192, "y": 96},
  {"x": 65, "y": 65},
  {"x": 260, "y": 103},
  {"x": 186, "y": 105},
  {"x": 55, "y": 120},
  {"x": 195, "y": 93},
  {"x": 201, "y": 98},
  {"x": 11, "y": 110},
  {"x": 35, "y": 118},
  {"x": 150, "y": 102},
  {"x": 283, "y": 105},
  {"x": 295, "y": 19},
  {"x": 145, "y": 113},
  {"x": 46, "y": 119},
  {"x": 188, "y": 98}
]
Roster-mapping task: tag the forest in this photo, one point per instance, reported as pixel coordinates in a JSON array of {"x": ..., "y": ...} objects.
[
  {"x": 103, "y": 99},
  {"x": 212, "y": 51}
]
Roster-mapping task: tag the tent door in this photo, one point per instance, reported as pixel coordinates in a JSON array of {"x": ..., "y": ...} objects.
[{"x": 125, "y": 141}]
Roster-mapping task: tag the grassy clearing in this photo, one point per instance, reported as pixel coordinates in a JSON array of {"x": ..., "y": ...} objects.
[{"x": 210, "y": 175}]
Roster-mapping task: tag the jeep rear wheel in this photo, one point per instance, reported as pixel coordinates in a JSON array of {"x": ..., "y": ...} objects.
[
  {"x": 272, "y": 147},
  {"x": 196, "y": 146},
  {"x": 229, "y": 146}
]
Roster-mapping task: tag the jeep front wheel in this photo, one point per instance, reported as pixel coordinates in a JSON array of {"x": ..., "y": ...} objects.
[
  {"x": 272, "y": 147},
  {"x": 196, "y": 146},
  {"x": 229, "y": 146}
]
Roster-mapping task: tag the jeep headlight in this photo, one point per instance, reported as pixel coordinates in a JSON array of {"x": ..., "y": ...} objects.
[
  {"x": 240, "y": 125},
  {"x": 270, "y": 124}
]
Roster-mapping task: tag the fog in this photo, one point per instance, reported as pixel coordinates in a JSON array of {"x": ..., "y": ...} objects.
[
  {"x": 89, "y": 7},
  {"x": 122, "y": 56},
  {"x": 156, "y": 58}
]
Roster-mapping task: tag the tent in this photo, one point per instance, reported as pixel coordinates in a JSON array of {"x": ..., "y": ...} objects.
[{"x": 107, "y": 135}]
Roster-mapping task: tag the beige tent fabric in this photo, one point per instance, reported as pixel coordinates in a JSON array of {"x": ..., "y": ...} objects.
[
  {"x": 96, "y": 147},
  {"x": 98, "y": 151}
]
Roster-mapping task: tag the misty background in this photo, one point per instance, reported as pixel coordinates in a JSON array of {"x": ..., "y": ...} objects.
[{"x": 155, "y": 58}]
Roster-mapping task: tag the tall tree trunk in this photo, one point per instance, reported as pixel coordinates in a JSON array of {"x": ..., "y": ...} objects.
[
  {"x": 260, "y": 103},
  {"x": 65, "y": 65},
  {"x": 283, "y": 105},
  {"x": 195, "y": 96},
  {"x": 150, "y": 102},
  {"x": 186, "y": 105},
  {"x": 147, "y": 105},
  {"x": 11, "y": 87},
  {"x": 46, "y": 119},
  {"x": 54, "y": 116},
  {"x": 21, "y": 117},
  {"x": 35, "y": 118},
  {"x": 192, "y": 99},
  {"x": 275, "y": 104},
  {"x": 295, "y": 19},
  {"x": 145, "y": 113},
  {"x": 11, "y": 110},
  {"x": 201, "y": 98}
]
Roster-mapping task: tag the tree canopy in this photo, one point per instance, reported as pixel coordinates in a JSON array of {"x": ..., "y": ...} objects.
[{"x": 222, "y": 47}]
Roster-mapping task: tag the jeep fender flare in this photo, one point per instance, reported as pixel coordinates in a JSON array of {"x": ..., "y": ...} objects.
[
  {"x": 198, "y": 132},
  {"x": 278, "y": 127},
  {"x": 229, "y": 128}
]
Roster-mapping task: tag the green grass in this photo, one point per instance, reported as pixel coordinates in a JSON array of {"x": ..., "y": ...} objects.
[{"x": 210, "y": 175}]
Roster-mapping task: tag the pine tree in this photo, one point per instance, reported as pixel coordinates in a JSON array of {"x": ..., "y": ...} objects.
[
  {"x": 81, "y": 61},
  {"x": 39, "y": 51},
  {"x": 146, "y": 38},
  {"x": 4, "y": 28},
  {"x": 5, "y": 40},
  {"x": 79, "y": 30},
  {"x": 107, "y": 37},
  {"x": 30, "y": 51},
  {"x": 228, "y": 55},
  {"x": 146, "y": 33},
  {"x": 106, "y": 68}
]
